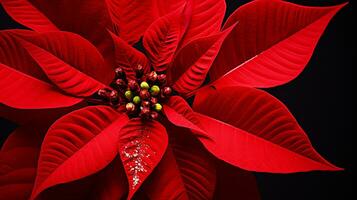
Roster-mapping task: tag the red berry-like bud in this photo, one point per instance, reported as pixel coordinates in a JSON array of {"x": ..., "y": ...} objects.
[
  {"x": 152, "y": 76},
  {"x": 154, "y": 115},
  {"x": 120, "y": 73},
  {"x": 139, "y": 70},
  {"x": 153, "y": 100},
  {"x": 162, "y": 79},
  {"x": 167, "y": 91},
  {"x": 102, "y": 93},
  {"x": 144, "y": 94},
  {"x": 145, "y": 110},
  {"x": 130, "y": 107},
  {"x": 133, "y": 85},
  {"x": 120, "y": 83},
  {"x": 145, "y": 103},
  {"x": 113, "y": 95}
]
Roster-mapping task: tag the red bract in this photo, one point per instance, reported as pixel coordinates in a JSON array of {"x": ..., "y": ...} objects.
[{"x": 130, "y": 133}]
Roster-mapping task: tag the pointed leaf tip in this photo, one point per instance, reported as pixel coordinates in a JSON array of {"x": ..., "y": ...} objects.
[
  {"x": 253, "y": 130},
  {"x": 263, "y": 50},
  {"x": 141, "y": 146}
]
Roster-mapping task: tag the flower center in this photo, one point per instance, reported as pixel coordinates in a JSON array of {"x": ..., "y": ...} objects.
[{"x": 142, "y": 96}]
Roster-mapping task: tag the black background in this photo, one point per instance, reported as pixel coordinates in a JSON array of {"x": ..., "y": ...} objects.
[{"x": 321, "y": 99}]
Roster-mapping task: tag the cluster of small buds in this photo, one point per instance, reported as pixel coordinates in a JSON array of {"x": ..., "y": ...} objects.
[{"x": 142, "y": 96}]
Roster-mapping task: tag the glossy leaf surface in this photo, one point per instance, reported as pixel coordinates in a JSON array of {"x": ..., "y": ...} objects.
[
  {"x": 162, "y": 38},
  {"x": 254, "y": 131},
  {"x": 57, "y": 53},
  {"x": 193, "y": 62},
  {"x": 30, "y": 93},
  {"x": 78, "y": 145},
  {"x": 271, "y": 44}
]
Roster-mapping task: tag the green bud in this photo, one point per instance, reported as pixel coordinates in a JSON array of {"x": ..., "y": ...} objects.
[
  {"x": 128, "y": 94},
  {"x": 136, "y": 99},
  {"x": 155, "y": 90},
  {"x": 158, "y": 107},
  {"x": 144, "y": 85}
]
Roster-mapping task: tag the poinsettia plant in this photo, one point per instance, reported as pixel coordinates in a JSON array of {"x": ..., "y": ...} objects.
[{"x": 111, "y": 121}]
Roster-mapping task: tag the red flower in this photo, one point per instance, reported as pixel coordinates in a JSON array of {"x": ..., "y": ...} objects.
[{"x": 128, "y": 114}]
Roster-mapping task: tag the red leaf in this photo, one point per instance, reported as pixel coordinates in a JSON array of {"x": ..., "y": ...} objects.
[
  {"x": 193, "y": 62},
  {"x": 78, "y": 145},
  {"x": 256, "y": 132},
  {"x": 207, "y": 18},
  {"x": 31, "y": 88},
  {"x": 19, "y": 90},
  {"x": 162, "y": 38},
  {"x": 28, "y": 15},
  {"x": 76, "y": 51},
  {"x": 134, "y": 17},
  {"x": 180, "y": 113},
  {"x": 141, "y": 147},
  {"x": 65, "y": 50},
  {"x": 183, "y": 173},
  {"x": 107, "y": 184},
  {"x": 128, "y": 57},
  {"x": 166, "y": 181},
  {"x": 14, "y": 55},
  {"x": 25, "y": 136},
  {"x": 271, "y": 44},
  {"x": 73, "y": 16},
  {"x": 36, "y": 116},
  {"x": 111, "y": 182},
  {"x": 18, "y": 160},
  {"x": 233, "y": 182},
  {"x": 17, "y": 181}
]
